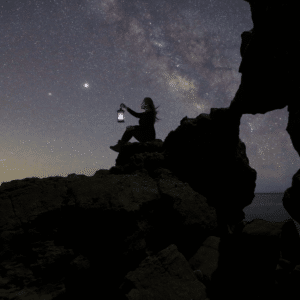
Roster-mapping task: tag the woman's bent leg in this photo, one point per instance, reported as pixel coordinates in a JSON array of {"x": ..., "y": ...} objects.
[{"x": 128, "y": 134}]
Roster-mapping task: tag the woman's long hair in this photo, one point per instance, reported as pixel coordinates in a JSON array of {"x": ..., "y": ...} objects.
[{"x": 151, "y": 106}]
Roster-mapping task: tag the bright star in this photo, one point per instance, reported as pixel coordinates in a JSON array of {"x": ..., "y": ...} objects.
[{"x": 86, "y": 85}]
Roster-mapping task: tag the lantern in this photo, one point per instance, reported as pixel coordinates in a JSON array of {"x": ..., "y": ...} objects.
[{"x": 121, "y": 115}]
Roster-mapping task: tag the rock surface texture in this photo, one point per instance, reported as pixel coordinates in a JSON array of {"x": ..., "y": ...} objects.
[{"x": 166, "y": 222}]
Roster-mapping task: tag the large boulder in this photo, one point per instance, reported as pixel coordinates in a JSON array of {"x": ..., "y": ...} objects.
[{"x": 166, "y": 275}]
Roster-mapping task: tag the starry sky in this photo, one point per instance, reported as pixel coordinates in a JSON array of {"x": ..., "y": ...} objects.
[{"x": 66, "y": 66}]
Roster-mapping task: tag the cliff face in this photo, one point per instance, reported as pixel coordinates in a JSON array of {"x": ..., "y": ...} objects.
[
  {"x": 270, "y": 74},
  {"x": 270, "y": 61},
  {"x": 166, "y": 221}
]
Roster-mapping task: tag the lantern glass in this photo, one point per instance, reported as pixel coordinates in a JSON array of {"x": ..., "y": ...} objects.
[{"x": 121, "y": 116}]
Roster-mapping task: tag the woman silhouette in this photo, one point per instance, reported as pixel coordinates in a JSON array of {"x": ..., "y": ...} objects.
[{"x": 145, "y": 131}]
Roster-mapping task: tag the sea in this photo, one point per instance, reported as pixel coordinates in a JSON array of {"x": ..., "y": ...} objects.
[{"x": 269, "y": 207}]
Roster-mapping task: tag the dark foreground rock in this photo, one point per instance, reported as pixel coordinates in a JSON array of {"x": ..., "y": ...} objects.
[{"x": 166, "y": 222}]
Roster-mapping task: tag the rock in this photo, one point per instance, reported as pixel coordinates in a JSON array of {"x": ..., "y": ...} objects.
[
  {"x": 199, "y": 275},
  {"x": 290, "y": 243},
  {"x": 256, "y": 94},
  {"x": 206, "y": 258},
  {"x": 290, "y": 198},
  {"x": 262, "y": 51},
  {"x": 167, "y": 275},
  {"x": 167, "y": 219},
  {"x": 246, "y": 260},
  {"x": 283, "y": 270}
]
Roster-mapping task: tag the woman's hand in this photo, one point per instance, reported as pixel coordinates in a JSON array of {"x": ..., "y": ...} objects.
[{"x": 123, "y": 105}]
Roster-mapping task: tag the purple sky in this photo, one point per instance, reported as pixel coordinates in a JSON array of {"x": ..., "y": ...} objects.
[{"x": 185, "y": 55}]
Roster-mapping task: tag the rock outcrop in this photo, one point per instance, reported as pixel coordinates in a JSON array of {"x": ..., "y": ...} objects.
[
  {"x": 166, "y": 222},
  {"x": 270, "y": 74}
]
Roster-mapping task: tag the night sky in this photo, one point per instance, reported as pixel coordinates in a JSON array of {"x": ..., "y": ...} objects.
[{"x": 66, "y": 66}]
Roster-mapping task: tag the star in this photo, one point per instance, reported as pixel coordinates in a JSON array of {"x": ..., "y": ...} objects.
[{"x": 86, "y": 85}]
